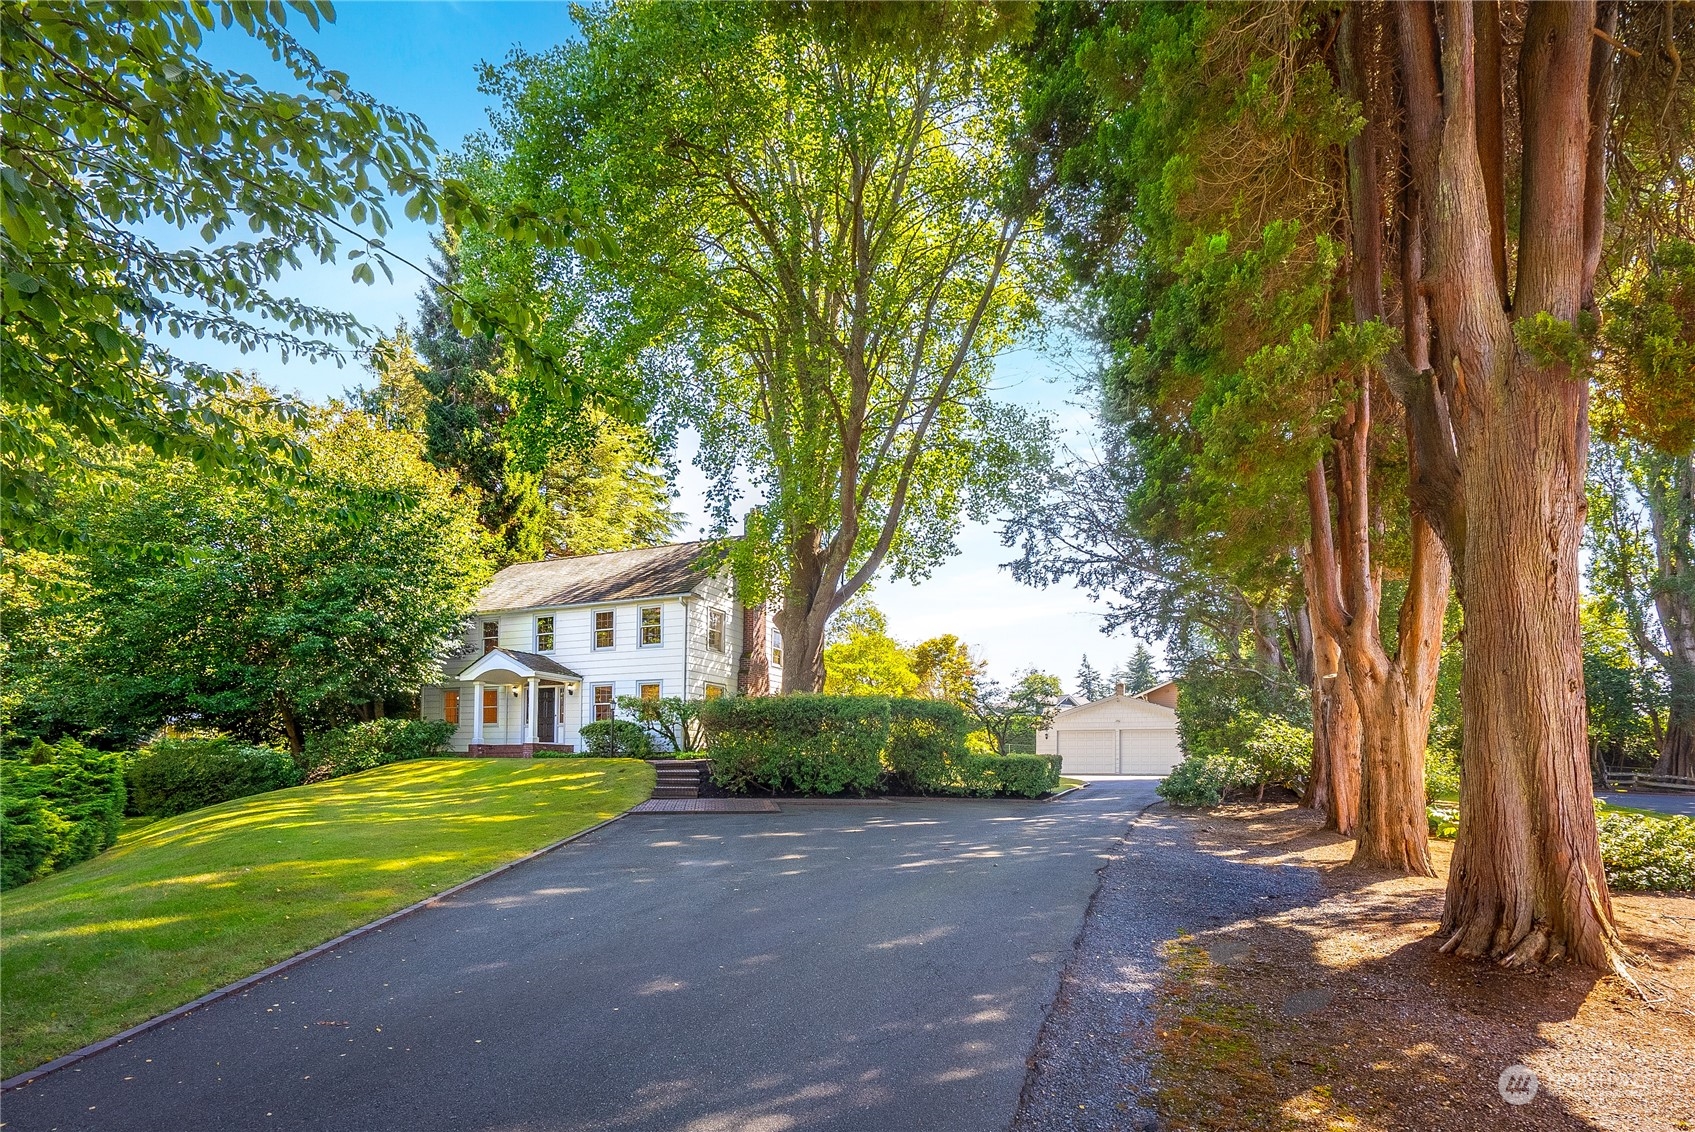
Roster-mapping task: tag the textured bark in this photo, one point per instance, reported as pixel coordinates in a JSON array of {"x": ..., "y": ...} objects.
[
  {"x": 1335, "y": 783},
  {"x": 1670, "y": 497},
  {"x": 1677, "y": 748},
  {"x": 811, "y": 596},
  {"x": 1526, "y": 884},
  {"x": 1392, "y": 693}
]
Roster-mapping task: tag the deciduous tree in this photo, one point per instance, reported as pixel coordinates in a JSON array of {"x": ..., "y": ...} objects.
[
  {"x": 269, "y": 609},
  {"x": 824, "y": 252}
]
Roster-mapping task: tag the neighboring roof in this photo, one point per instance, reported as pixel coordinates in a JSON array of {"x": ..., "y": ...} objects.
[
  {"x": 620, "y": 575},
  {"x": 1124, "y": 707},
  {"x": 534, "y": 662}
]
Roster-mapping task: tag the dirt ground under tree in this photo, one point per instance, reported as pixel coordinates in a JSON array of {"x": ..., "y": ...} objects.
[{"x": 1343, "y": 1014}]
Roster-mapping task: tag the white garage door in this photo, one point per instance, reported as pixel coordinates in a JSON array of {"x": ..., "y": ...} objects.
[
  {"x": 1087, "y": 752},
  {"x": 1149, "y": 751}
]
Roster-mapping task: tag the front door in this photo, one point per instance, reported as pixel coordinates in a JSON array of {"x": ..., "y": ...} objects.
[{"x": 547, "y": 711}]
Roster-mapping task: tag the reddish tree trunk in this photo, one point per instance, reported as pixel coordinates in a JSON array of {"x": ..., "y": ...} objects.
[
  {"x": 1393, "y": 694},
  {"x": 1393, "y": 830},
  {"x": 1526, "y": 883},
  {"x": 1335, "y": 784}
]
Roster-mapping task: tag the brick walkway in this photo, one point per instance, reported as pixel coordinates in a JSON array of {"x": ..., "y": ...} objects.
[{"x": 708, "y": 806}]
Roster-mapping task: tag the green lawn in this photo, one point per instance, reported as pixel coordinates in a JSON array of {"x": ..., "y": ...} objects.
[{"x": 186, "y": 904}]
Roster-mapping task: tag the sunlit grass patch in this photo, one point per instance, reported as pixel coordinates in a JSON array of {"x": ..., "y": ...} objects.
[{"x": 183, "y": 905}]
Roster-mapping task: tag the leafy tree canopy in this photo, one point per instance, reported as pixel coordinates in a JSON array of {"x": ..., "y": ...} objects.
[
  {"x": 117, "y": 132},
  {"x": 832, "y": 252},
  {"x": 265, "y": 609}
]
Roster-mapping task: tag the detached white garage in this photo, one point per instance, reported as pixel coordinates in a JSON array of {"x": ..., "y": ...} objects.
[{"x": 1122, "y": 734}]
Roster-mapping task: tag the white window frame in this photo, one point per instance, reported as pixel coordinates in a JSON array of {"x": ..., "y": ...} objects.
[
  {"x": 551, "y": 632},
  {"x": 658, "y": 687},
  {"x": 716, "y": 626},
  {"x": 776, "y": 646},
  {"x": 642, "y": 626},
  {"x": 491, "y": 641},
  {"x": 595, "y": 704},
  {"x": 595, "y": 630}
]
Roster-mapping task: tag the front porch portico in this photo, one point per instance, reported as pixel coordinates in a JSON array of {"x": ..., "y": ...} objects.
[{"x": 544, "y": 689}]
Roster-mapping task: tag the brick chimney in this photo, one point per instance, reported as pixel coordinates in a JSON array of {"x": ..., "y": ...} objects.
[
  {"x": 1119, "y": 688},
  {"x": 753, "y": 671}
]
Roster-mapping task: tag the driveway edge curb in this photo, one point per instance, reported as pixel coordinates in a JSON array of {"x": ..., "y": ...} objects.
[{"x": 66, "y": 1060}]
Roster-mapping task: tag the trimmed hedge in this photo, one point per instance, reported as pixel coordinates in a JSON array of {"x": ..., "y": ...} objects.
[
  {"x": 1025, "y": 776},
  {"x": 173, "y": 776},
  {"x": 616, "y": 739},
  {"x": 812, "y": 744},
  {"x": 374, "y": 743},
  {"x": 809, "y": 744},
  {"x": 59, "y": 804},
  {"x": 926, "y": 739}
]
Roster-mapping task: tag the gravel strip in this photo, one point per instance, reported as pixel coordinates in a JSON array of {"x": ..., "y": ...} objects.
[{"x": 1089, "y": 1072}]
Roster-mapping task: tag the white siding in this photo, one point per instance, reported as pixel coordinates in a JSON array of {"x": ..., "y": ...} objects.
[
  {"x": 707, "y": 665},
  {"x": 682, "y": 665},
  {"x": 1117, "y": 735}
]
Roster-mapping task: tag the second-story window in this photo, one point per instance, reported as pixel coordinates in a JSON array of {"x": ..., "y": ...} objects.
[
  {"x": 491, "y": 636},
  {"x": 604, "y": 637},
  {"x": 715, "y": 630},
  {"x": 544, "y": 634},
  {"x": 777, "y": 647},
  {"x": 653, "y": 628}
]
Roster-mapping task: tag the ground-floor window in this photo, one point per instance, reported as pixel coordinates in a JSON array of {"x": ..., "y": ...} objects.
[
  {"x": 650, "y": 691},
  {"x": 715, "y": 691},
  {"x": 450, "y": 706},
  {"x": 491, "y": 705},
  {"x": 602, "y": 702}
]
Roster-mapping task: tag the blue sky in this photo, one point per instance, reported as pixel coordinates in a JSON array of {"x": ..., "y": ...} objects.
[{"x": 423, "y": 58}]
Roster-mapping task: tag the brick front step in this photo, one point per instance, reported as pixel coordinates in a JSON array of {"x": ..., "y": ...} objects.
[
  {"x": 678, "y": 778},
  {"x": 514, "y": 750}
]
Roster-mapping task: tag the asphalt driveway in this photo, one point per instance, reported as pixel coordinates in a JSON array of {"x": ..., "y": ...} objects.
[
  {"x": 1667, "y": 803},
  {"x": 872, "y": 966}
]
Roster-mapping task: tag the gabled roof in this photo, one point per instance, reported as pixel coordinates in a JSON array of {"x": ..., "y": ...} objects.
[
  {"x": 1120, "y": 706},
  {"x": 620, "y": 575},
  {"x": 525, "y": 664}
]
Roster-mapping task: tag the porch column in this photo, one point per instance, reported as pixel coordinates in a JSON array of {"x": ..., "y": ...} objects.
[
  {"x": 477, "y": 712},
  {"x": 530, "y": 710}
]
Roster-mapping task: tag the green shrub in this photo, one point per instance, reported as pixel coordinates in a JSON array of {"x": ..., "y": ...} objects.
[
  {"x": 1647, "y": 853},
  {"x": 1640, "y": 853},
  {"x": 59, "y": 804},
  {"x": 1260, "y": 751},
  {"x": 1441, "y": 774},
  {"x": 810, "y": 744},
  {"x": 1201, "y": 779},
  {"x": 616, "y": 739},
  {"x": 1020, "y": 776},
  {"x": 374, "y": 743},
  {"x": 672, "y": 724},
  {"x": 926, "y": 738},
  {"x": 173, "y": 776}
]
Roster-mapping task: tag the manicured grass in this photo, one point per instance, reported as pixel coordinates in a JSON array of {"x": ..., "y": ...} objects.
[{"x": 183, "y": 905}]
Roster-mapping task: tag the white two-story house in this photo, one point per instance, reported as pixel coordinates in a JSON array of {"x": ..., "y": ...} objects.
[{"x": 554, "y": 644}]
